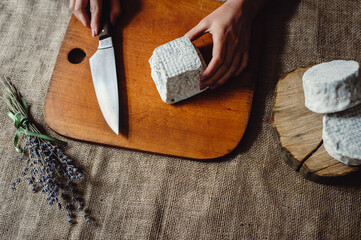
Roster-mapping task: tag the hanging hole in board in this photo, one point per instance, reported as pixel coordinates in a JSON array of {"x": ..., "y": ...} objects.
[{"x": 76, "y": 56}]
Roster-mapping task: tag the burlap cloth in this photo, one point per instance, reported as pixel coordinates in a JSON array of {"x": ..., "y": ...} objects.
[{"x": 252, "y": 194}]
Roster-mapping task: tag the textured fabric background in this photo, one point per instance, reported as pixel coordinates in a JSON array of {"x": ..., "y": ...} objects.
[{"x": 252, "y": 194}]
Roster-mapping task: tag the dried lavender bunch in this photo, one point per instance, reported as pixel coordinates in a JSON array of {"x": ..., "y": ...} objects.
[{"x": 47, "y": 169}]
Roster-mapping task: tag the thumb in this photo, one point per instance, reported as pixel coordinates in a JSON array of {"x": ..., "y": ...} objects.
[{"x": 197, "y": 31}]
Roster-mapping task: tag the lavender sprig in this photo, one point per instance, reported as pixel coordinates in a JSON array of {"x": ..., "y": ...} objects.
[{"x": 47, "y": 169}]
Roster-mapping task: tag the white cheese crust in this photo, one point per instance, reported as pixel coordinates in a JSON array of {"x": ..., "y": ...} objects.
[
  {"x": 341, "y": 135},
  {"x": 176, "y": 68},
  {"x": 332, "y": 86}
]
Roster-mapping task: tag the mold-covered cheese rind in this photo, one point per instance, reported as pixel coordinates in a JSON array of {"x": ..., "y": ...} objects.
[
  {"x": 176, "y": 68},
  {"x": 332, "y": 86},
  {"x": 341, "y": 135}
]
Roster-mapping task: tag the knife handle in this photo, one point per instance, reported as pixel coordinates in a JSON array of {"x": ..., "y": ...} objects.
[
  {"x": 105, "y": 25},
  {"x": 105, "y": 31}
]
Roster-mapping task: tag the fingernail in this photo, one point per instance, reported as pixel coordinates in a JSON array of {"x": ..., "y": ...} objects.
[{"x": 93, "y": 33}]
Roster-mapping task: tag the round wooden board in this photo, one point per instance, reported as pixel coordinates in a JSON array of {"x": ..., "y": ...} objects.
[{"x": 299, "y": 134}]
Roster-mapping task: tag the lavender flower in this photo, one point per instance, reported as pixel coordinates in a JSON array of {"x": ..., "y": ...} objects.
[{"x": 47, "y": 169}]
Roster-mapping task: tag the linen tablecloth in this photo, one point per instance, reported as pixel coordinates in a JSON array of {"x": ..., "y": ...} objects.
[{"x": 252, "y": 194}]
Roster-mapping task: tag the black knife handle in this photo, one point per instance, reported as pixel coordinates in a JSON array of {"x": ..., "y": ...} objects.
[
  {"x": 105, "y": 26},
  {"x": 105, "y": 31}
]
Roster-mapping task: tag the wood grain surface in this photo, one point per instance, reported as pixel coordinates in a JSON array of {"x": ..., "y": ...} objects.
[
  {"x": 299, "y": 133},
  {"x": 206, "y": 126}
]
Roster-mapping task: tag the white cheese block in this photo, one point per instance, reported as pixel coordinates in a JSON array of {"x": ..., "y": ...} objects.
[
  {"x": 332, "y": 86},
  {"x": 176, "y": 68},
  {"x": 341, "y": 135}
]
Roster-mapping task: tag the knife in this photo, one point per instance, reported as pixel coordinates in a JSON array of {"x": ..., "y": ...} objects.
[{"x": 104, "y": 75}]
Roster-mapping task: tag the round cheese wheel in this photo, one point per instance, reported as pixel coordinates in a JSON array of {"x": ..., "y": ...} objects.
[
  {"x": 341, "y": 135},
  {"x": 332, "y": 86}
]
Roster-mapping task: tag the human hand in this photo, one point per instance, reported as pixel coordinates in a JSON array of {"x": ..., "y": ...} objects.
[
  {"x": 230, "y": 26},
  {"x": 79, "y": 8}
]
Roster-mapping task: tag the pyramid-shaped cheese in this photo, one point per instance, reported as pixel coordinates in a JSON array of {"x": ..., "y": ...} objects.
[
  {"x": 332, "y": 86},
  {"x": 341, "y": 135},
  {"x": 176, "y": 68}
]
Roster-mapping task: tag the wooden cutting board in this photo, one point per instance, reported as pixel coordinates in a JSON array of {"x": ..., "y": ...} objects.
[
  {"x": 299, "y": 134},
  {"x": 206, "y": 126}
]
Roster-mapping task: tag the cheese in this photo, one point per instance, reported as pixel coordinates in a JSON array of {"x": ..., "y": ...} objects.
[
  {"x": 332, "y": 86},
  {"x": 176, "y": 68},
  {"x": 341, "y": 135}
]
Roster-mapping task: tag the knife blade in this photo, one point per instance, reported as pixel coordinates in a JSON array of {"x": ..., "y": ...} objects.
[{"x": 104, "y": 75}]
